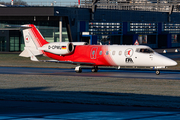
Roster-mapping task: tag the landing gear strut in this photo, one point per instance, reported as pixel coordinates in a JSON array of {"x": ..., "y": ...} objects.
[
  {"x": 157, "y": 72},
  {"x": 95, "y": 69},
  {"x": 78, "y": 69}
]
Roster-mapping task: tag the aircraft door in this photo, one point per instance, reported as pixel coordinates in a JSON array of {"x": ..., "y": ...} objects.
[{"x": 93, "y": 54}]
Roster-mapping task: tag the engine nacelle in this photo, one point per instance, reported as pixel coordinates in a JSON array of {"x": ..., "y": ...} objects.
[{"x": 60, "y": 48}]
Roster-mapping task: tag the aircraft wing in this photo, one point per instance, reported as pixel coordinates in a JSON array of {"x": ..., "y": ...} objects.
[{"x": 67, "y": 62}]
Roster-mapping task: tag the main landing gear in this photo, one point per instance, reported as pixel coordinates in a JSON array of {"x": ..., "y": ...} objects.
[
  {"x": 95, "y": 69},
  {"x": 79, "y": 70}
]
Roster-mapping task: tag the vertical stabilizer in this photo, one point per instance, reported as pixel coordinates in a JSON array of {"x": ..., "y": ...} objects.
[
  {"x": 32, "y": 37},
  {"x": 32, "y": 40}
]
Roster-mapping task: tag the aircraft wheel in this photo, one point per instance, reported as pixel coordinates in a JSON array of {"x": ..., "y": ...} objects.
[
  {"x": 157, "y": 72},
  {"x": 95, "y": 69},
  {"x": 79, "y": 71}
]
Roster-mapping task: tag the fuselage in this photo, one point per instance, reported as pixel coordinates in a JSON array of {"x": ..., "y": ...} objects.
[
  {"x": 95, "y": 55},
  {"x": 115, "y": 55}
]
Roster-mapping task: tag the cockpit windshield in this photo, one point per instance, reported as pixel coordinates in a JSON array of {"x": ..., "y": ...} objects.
[{"x": 144, "y": 50}]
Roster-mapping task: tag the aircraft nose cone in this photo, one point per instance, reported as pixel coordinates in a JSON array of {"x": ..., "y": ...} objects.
[
  {"x": 169, "y": 62},
  {"x": 173, "y": 63},
  {"x": 164, "y": 61}
]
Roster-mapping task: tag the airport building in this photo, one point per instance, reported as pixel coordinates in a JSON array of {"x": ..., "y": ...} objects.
[{"x": 153, "y": 23}]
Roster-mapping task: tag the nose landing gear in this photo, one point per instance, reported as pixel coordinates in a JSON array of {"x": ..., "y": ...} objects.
[
  {"x": 95, "y": 69},
  {"x": 157, "y": 72}
]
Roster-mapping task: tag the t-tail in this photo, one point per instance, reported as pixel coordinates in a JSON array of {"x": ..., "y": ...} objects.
[{"x": 33, "y": 40}]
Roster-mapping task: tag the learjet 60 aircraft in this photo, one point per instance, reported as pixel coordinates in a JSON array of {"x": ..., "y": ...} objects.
[{"x": 80, "y": 53}]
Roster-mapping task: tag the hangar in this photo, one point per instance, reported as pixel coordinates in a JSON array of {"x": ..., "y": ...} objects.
[{"x": 117, "y": 22}]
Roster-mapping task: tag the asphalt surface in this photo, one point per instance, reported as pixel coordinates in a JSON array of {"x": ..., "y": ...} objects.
[
  {"x": 52, "y": 103},
  {"x": 14, "y": 110},
  {"x": 102, "y": 72},
  {"x": 22, "y": 97}
]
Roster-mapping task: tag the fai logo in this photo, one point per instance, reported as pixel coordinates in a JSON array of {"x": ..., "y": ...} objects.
[
  {"x": 27, "y": 38},
  {"x": 129, "y": 52},
  {"x": 129, "y": 60}
]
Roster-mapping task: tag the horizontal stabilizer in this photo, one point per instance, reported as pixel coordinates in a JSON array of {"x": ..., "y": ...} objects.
[
  {"x": 18, "y": 26},
  {"x": 24, "y": 53},
  {"x": 33, "y": 57},
  {"x": 30, "y": 52},
  {"x": 34, "y": 51}
]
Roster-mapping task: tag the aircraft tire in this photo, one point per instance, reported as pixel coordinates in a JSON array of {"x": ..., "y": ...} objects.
[
  {"x": 95, "y": 69},
  {"x": 79, "y": 71},
  {"x": 157, "y": 72}
]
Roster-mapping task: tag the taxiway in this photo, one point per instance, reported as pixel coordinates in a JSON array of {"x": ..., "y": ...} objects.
[{"x": 103, "y": 72}]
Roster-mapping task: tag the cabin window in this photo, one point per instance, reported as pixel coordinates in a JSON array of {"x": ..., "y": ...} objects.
[
  {"x": 107, "y": 52},
  {"x": 100, "y": 53},
  {"x": 113, "y": 53},
  {"x": 137, "y": 50},
  {"x": 93, "y": 52},
  {"x": 120, "y": 52}
]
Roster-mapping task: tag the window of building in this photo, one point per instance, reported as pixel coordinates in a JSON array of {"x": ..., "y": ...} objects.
[
  {"x": 174, "y": 38},
  {"x": 2, "y": 44},
  {"x": 143, "y": 27},
  {"x": 142, "y": 39}
]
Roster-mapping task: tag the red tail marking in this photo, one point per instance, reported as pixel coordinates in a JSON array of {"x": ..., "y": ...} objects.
[{"x": 38, "y": 37}]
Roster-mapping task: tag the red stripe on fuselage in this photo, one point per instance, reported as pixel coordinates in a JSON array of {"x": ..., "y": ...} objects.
[
  {"x": 83, "y": 53},
  {"x": 108, "y": 58}
]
